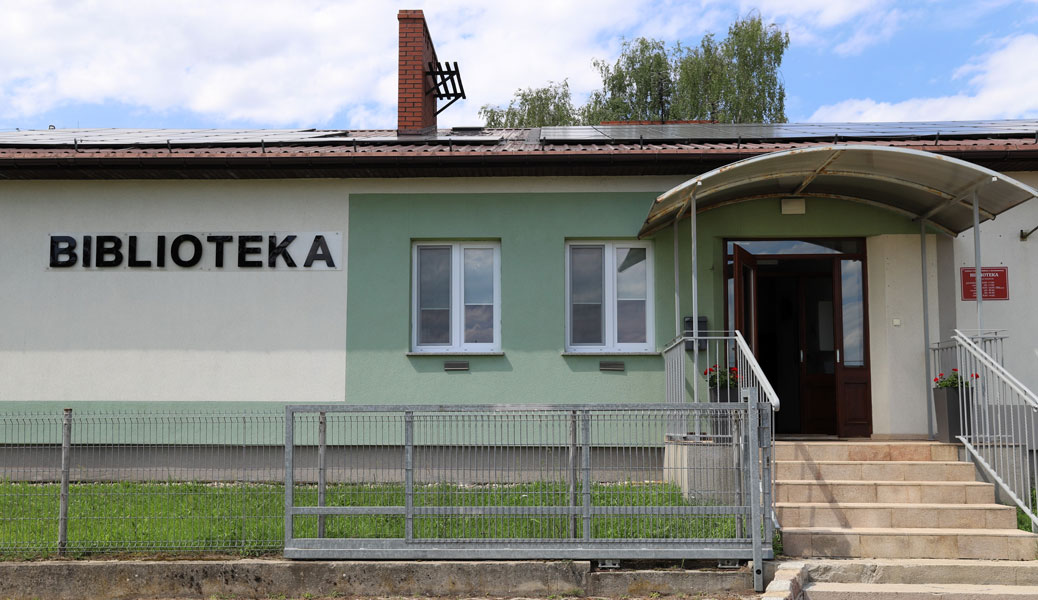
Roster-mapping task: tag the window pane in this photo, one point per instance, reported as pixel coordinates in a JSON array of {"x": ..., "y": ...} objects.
[
  {"x": 587, "y": 269},
  {"x": 479, "y": 324},
  {"x": 630, "y": 274},
  {"x": 479, "y": 276},
  {"x": 630, "y": 321},
  {"x": 434, "y": 326},
  {"x": 434, "y": 295},
  {"x": 853, "y": 314},
  {"x": 587, "y": 324}
]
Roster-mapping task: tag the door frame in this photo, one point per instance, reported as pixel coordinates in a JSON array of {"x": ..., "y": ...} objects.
[{"x": 862, "y": 429}]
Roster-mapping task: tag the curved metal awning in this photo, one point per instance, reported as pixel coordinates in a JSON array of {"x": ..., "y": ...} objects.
[{"x": 919, "y": 185}]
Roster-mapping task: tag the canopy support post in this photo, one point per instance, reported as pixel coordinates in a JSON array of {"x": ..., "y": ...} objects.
[
  {"x": 693, "y": 239},
  {"x": 926, "y": 330},
  {"x": 679, "y": 330},
  {"x": 977, "y": 274}
]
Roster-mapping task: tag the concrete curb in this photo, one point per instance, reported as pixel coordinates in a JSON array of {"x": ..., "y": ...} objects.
[{"x": 126, "y": 580}]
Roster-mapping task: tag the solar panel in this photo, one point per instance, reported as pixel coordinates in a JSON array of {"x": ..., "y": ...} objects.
[
  {"x": 219, "y": 137},
  {"x": 717, "y": 132}
]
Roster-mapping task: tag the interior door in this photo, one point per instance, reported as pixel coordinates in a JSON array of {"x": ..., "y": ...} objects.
[
  {"x": 853, "y": 394},
  {"x": 818, "y": 389},
  {"x": 745, "y": 288}
]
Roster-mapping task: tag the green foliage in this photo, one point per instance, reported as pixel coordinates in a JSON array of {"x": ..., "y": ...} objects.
[
  {"x": 549, "y": 105},
  {"x": 735, "y": 80}
]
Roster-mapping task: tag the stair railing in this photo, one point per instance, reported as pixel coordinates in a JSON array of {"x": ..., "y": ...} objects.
[{"x": 998, "y": 420}]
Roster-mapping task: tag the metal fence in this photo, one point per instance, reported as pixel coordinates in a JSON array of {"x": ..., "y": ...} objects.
[
  {"x": 579, "y": 481},
  {"x": 85, "y": 482},
  {"x": 374, "y": 482},
  {"x": 991, "y": 413}
]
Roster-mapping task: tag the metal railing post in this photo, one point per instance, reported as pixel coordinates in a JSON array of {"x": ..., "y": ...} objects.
[
  {"x": 585, "y": 417},
  {"x": 573, "y": 473},
  {"x": 753, "y": 427},
  {"x": 409, "y": 476},
  {"x": 66, "y": 451},
  {"x": 289, "y": 502},
  {"x": 322, "y": 440}
]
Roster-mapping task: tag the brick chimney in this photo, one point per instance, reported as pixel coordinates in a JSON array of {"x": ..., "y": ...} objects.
[{"x": 416, "y": 110}]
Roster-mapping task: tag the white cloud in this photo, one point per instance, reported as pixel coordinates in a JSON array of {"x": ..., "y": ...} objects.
[
  {"x": 298, "y": 63},
  {"x": 1002, "y": 84}
]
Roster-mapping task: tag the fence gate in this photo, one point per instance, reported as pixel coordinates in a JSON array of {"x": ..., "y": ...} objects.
[{"x": 539, "y": 482}]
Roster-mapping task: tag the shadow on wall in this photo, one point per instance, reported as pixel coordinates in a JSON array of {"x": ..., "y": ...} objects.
[{"x": 438, "y": 363}]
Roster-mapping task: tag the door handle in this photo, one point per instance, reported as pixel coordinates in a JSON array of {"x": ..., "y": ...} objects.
[
  {"x": 801, "y": 356},
  {"x": 837, "y": 357}
]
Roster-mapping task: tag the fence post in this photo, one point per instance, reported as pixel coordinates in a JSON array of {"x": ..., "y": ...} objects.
[
  {"x": 322, "y": 439},
  {"x": 585, "y": 416},
  {"x": 66, "y": 451},
  {"x": 750, "y": 396},
  {"x": 289, "y": 446},
  {"x": 409, "y": 476},
  {"x": 572, "y": 473}
]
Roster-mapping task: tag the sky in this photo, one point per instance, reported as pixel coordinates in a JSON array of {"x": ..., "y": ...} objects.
[{"x": 332, "y": 64}]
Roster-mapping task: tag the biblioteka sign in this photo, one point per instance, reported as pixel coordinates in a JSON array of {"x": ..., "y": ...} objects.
[
  {"x": 272, "y": 251},
  {"x": 994, "y": 283}
]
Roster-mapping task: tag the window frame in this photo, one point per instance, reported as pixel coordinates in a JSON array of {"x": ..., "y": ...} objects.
[
  {"x": 610, "y": 345},
  {"x": 457, "y": 344}
]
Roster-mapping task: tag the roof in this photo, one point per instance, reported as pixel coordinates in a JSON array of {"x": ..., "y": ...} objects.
[
  {"x": 599, "y": 150},
  {"x": 923, "y": 186}
]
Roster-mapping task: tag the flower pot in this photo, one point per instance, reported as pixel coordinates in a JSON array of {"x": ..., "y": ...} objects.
[{"x": 949, "y": 417}]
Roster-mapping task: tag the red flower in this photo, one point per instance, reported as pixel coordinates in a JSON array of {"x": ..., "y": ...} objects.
[
  {"x": 935, "y": 379},
  {"x": 941, "y": 375},
  {"x": 705, "y": 371},
  {"x": 955, "y": 370}
]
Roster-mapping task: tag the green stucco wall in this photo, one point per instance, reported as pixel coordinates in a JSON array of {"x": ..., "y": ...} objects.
[{"x": 533, "y": 230}]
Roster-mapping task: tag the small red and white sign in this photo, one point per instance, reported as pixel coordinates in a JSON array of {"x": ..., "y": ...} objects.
[{"x": 994, "y": 283}]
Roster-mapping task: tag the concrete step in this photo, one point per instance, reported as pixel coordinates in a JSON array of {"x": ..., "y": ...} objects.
[
  {"x": 924, "y": 570},
  {"x": 862, "y": 542},
  {"x": 866, "y": 450},
  {"x": 876, "y": 470},
  {"x": 914, "y": 492},
  {"x": 919, "y": 591},
  {"x": 951, "y": 516}
]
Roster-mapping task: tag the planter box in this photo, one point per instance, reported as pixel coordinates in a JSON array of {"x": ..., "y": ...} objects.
[
  {"x": 949, "y": 417},
  {"x": 721, "y": 426}
]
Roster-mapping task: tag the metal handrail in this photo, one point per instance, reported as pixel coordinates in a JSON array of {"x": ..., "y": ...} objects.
[
  {"x": 751, "y": 360},
  {"x": 998, "y": 439},
  {"x": 744, "y": 351},
  {"x": 1001, "y": 371}
]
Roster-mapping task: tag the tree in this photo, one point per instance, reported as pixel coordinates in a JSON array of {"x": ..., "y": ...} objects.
[
  {"x": 549, "y": 105},
  {"x": 736, "y": 80}
]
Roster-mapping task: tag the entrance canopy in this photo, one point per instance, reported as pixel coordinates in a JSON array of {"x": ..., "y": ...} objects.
[{"x": 922, "y": 186}]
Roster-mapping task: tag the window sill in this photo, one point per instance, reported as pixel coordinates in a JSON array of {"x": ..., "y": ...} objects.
[
  {"x": 455, "y": 354},
  {"x": 612, "y": 353}
]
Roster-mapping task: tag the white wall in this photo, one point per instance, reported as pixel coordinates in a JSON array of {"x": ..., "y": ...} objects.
[
  {"x": 896, "y": 338},
  {"x": 173, "y": 334},
  {"x": 1001, "y": 246}
]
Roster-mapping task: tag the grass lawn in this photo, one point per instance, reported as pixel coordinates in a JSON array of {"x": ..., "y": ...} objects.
[{"x": 247, "y": 519}]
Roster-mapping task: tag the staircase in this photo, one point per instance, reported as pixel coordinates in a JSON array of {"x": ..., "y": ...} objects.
[{"x": 905, "y": 500}]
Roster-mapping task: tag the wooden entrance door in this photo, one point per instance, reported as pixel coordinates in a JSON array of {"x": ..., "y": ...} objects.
[
  {"x": 853, "y": 397},
  {"x": 745, "y": 289}
]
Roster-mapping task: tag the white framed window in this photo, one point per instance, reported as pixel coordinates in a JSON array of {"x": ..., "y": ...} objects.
[
  {"x": 456, "y": 297},
  {"x": 609, "y": 300}
]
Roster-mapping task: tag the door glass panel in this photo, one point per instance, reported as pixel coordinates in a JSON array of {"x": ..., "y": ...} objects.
[
  {"x": 749, "y": 295},
  {"x": 820, "y": 352},
  {"x": 631, "y": 294},
  {"x": 853, "y": 313},
  {"x": 434, "y": 295},
  {"x": 587, "y": 285}
]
